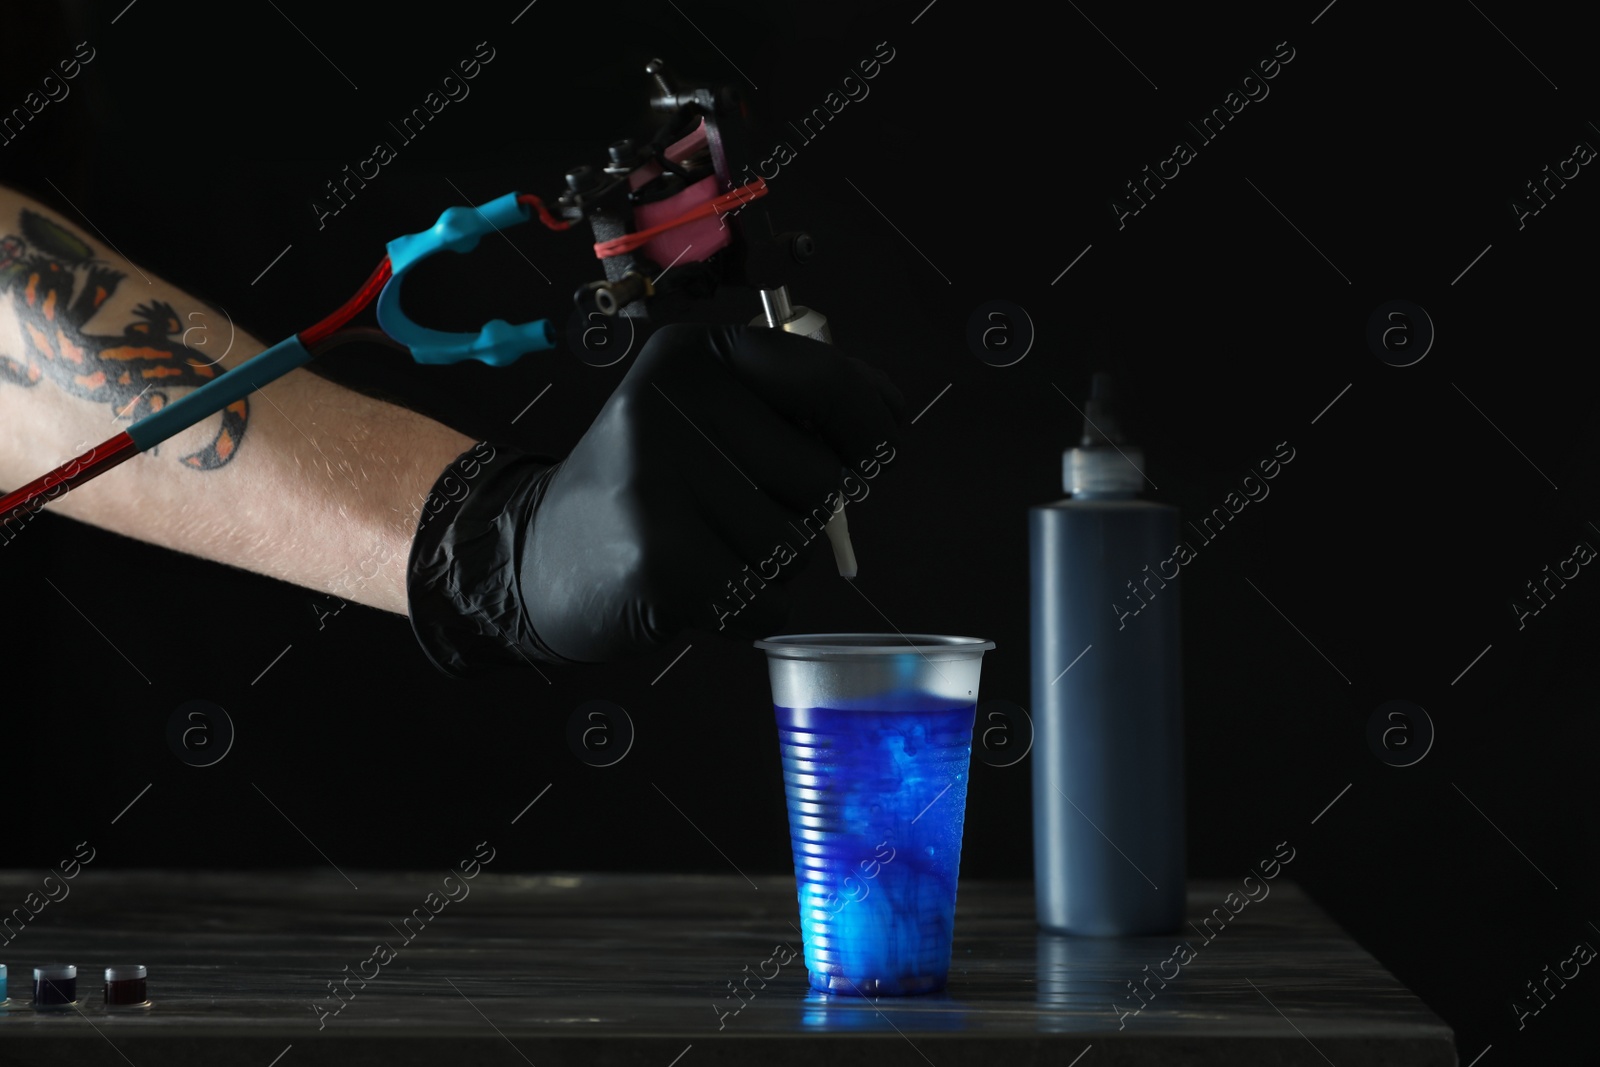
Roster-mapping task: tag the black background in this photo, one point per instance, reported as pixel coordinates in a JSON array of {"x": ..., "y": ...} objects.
[{"x": 994, "y": 140}]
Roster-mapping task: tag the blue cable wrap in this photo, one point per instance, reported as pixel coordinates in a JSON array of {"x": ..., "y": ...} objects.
[
  {"x": 212, "y": 397},
  {"x": 458, "y": 230}
]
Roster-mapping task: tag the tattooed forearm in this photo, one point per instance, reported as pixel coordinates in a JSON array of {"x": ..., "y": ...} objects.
[
  {"x": 56, "y": 287},
  {"x": 330, "y": 482}
]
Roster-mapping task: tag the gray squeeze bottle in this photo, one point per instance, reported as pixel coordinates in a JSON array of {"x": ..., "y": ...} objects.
[{"x": 1108, "y": 811}]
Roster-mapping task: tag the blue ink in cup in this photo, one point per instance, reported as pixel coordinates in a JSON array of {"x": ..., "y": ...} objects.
[{"x": 875, "y": 733}]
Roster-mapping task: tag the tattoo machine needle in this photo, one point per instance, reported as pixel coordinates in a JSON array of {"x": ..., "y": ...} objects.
[{"x": 780, "y": 314}]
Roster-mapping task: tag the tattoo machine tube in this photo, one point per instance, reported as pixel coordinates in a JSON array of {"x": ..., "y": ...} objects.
[{"x": 780, "y": 314}]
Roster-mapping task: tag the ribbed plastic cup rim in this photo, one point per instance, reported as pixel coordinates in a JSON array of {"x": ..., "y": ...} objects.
[{"x": 851, "y": 646}]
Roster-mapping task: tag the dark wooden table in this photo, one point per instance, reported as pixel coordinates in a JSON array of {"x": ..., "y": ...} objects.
[{"x": 626, "y": 969}]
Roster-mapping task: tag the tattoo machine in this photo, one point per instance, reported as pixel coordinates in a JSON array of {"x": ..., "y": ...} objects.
[{"x": 663, "y": 214}]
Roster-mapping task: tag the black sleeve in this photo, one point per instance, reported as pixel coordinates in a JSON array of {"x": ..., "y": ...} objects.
[{"x": 463, "y": 587}]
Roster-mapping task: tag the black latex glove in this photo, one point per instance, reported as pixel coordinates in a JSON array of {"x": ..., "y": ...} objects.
[{"x": 698, "y": 491}]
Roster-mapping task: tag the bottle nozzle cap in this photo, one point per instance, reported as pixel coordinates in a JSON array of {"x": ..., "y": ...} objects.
[
  {"x": 1100, "y": 426},
  {"x": 1103, "y": 464}
]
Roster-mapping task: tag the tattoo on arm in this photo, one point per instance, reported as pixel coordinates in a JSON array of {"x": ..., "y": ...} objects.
[{"x": 56, "y": 286}]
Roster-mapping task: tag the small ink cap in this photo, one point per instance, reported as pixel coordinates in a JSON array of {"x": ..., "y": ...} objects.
[{"x": 1103, "y": 465}]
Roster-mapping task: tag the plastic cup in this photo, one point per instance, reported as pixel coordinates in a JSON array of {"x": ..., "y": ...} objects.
[{"x": 875, "y": 731}]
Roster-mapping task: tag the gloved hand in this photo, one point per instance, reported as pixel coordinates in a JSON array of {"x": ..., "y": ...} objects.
[{"x": 699, "y": 490}]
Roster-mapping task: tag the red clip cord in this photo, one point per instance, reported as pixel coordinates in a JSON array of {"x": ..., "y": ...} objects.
[
  {"x": 334, "y": 323},
  {"x": 544, "y": 213}
]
